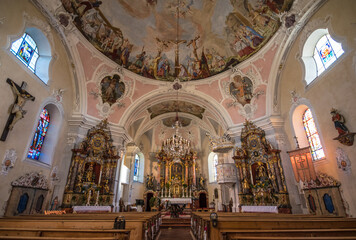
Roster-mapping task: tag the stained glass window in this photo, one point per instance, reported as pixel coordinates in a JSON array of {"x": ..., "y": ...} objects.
[
  {"x": 26, "y": 50},
  {"x": 312, "y": 135},
  {"x": 40, "y": 134},
  {"x": 326, "y": 52},
  {"x": 136, "y": 167},
  {"x": 215, "y": 163}
]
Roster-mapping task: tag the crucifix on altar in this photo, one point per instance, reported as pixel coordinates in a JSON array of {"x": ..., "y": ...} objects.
[{"x": 16, "y": 112}]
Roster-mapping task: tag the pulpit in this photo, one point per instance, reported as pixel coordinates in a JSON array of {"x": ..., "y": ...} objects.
[{"x": 261, "y": 177}]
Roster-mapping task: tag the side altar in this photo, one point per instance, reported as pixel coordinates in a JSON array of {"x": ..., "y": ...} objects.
[
  {"x": 92, "y": 172},
  {"x": 261, "y": 178}
]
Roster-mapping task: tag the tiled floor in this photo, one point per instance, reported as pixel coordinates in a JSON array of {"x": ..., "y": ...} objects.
[{"x": 175, "y": 233}]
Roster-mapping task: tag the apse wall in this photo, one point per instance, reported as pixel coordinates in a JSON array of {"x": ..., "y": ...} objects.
[
  {"x": 334, "y": 88},
  {"x": 57, "y": 95}
]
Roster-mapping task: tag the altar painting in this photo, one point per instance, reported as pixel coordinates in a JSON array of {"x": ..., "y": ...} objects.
[{"x": 177, "y": 171}]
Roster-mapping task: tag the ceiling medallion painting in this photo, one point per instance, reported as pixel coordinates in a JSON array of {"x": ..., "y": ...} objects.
[
  {"x": 112, "y": 89},
  {"x": 244, "y": 89},
  {"x": 192, "y": 39},
  {"x": 173, "y": 106},
  {"x": 241, "y": 89}
]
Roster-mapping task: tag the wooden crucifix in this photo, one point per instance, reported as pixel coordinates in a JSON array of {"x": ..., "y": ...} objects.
[{"x": 16, "y": 110}]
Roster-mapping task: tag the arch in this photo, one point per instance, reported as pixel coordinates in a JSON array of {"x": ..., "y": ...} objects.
[
  {"x": 41, "y": 66},
  {"x": 212, "y": 162},
  {"x": 320, "y": 51},
  {"x": 55, "y": 110}
]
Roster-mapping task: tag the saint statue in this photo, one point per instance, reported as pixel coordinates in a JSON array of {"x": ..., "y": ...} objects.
[
  {"x": 339, "y": 121},
  {"x": 89, "y": 176}
]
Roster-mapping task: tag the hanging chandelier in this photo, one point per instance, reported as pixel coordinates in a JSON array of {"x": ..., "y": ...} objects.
[{"x": 176, "y": 146}]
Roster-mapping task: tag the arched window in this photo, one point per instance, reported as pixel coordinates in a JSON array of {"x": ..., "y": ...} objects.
[
  {"x": 212, "y": 163},
  {"x": 136, "y": 168},
  {"x": 34, "y": 51},
  {"x": 26, "y": 50},
  {"x": 215, "y": 163},
  {"x": 320, "y": 51},
  {"x": 326, "y": 52},
  {"x": 312, "y": 135},
  {"x": 39, "y": 136}
]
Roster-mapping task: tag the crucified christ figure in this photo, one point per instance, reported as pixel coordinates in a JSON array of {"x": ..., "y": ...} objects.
[{"x": 21, "y": 97}]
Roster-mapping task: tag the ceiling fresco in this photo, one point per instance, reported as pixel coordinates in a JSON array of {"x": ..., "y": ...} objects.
[
  {"x": 191, "y": 39},
  {"x": 169, "y": 122},
  {"x": 172, "y": 106}
]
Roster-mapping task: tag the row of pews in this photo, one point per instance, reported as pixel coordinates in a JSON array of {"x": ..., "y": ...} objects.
[
  {"x": 81, "y": 226},
  {"x": 268, "y": 226}
]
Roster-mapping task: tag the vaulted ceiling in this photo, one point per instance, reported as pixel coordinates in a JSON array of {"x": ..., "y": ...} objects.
[{"x": 191, "y": 39}]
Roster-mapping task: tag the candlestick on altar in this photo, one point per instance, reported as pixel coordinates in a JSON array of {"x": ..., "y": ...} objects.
[
  {"x": 101, "y": 171},
  {"x": 89, "y": 196},
  {"x": 97, "y": 199}
]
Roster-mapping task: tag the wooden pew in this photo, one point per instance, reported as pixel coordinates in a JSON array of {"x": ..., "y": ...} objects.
[
  {"x": 230, "y": 224},
  {"x": 141, "y": 225},
  {"x": 234, "y": 234},
  {"x": 122, "y": 234},
  {"x": 53, "y": 238}
]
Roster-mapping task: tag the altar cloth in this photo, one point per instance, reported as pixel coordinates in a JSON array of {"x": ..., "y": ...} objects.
[
  {"x": 266, "y": 209},
  {"x": 91, "y": 209},
  {"x": 177, "y": 200}
]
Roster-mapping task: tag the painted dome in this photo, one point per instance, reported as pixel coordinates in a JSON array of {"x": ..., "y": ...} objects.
[{"x": 189, "y": 39}]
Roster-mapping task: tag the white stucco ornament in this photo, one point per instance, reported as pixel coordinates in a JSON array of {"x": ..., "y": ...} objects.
[
  {"x": 58, "y": 94},
  {"x": 343, "y": 161},
  {"x": 8, "y": 161}
]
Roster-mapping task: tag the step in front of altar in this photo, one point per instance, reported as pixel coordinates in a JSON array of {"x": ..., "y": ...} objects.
[{"x": 175, "y": 222}]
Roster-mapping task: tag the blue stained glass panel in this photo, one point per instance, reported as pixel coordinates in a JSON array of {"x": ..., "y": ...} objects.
[
  {"x": 136, "y": 167},
  {"x": 326, "y": 52},
  {"x": 26, "y": 50},
  {"x": 39, "y": 136}
]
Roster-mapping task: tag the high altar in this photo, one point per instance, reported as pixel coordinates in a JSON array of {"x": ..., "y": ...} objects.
[
  {"x": 178, "y": 181},
  {"x": 261, "y": 177},
  {"x": 92, "y": 172}
]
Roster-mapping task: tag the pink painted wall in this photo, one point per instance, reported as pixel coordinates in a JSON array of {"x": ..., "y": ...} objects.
[
  {"x": 211, "y": 89},
  {"x": 89, "y": 62}
]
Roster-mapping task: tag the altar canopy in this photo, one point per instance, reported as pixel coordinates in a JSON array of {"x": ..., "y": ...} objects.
[
  {"x": 261, "y": 177},
  {"x": 92, "y": 171}
]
